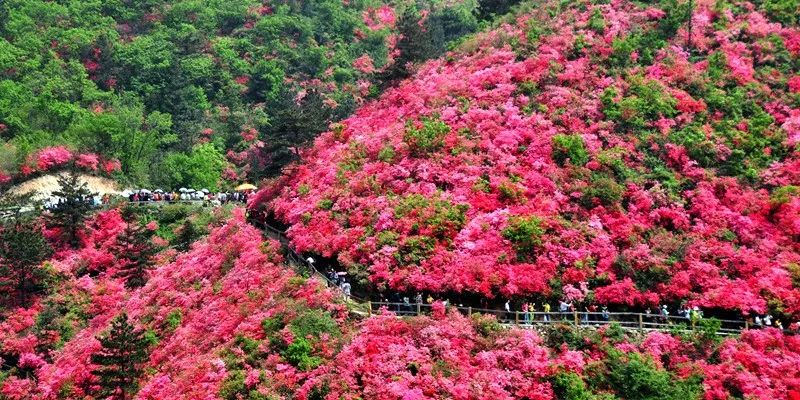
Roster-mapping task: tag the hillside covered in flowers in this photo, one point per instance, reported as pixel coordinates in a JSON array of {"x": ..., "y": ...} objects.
[
  {"x": 226, "y": 318},
  {"x": 613, "y": 153},
  {"x": 617, "y": 153}
]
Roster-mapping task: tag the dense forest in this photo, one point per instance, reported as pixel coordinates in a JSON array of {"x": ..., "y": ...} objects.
[{"x": 197, "y": 93}]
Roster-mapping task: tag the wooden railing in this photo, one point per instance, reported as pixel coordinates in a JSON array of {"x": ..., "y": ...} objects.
[
  {"x": 302, "y": 266},
  {"x": 627, "y": 320}
]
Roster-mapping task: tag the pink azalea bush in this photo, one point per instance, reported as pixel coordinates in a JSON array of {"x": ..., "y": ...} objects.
[
  {"x": 230, "y": 319},
  {"x": 544, "y": 155},
  {"x": 57, "y": 158},
  {"x": 50, "y": 157}
]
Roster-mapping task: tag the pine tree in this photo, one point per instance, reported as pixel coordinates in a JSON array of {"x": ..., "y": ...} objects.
[
  {"x": 23, "y": 248},
  {"x": 75, "y": 204},
  {"x": 135, "y": 252},
  {"x": 120, "y": 359},
  {"x": 186, "y": 236}
]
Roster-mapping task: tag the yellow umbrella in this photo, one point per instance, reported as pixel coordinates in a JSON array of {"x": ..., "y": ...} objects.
[{"x": 246, "y": 186}]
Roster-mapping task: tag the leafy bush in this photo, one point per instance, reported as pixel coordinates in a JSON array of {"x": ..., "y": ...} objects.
[
  {"x": 570, "y": 386},
  {"x": 298, "y": 353},
  {"x": 604, "y": 189},
  {"x": 314, "y": 323},
  {"x": 785, "y": 11},
  {"x": 428, "y": 137},
  {"x": 525, "y": 233},
  {"x": 633, "y": 376},
  {"x": 569, "y": 148}
]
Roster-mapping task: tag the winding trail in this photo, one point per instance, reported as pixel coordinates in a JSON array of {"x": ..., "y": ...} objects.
[
  {"x": 530, "y": 320},
  {"x": 364, "y": 307}
]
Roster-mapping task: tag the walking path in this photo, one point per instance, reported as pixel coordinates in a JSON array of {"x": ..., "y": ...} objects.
[
  {"x": 365, "y": 307},
  {"x": 626, "y": 320}
]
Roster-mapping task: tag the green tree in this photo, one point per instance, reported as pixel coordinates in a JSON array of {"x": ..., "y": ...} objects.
[
  {"x": 135, "y": 252},
  {"x": 202, "y": 168},
  {"x": 119, "y": 361},
  {"x": 187, "y": 235},
  {"x": 23, "y": 248},
  {"x": 125, "y": 132},
  {"x": 75, "y": 204}
]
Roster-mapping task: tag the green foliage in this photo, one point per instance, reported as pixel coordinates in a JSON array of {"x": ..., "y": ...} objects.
[
  {"x": 415, "y": 249},
  {"x": 173, "y": 320},
  {"x": 786, "y": 12},
  {"x": 314, "y": 323},
  {"x": 126, "y": 132},
  {"x": 386, "y": 154},
  {"x": 443, "y": 26},
  {"x": 644, "y": 103},
  {"x": 299, "y": 354},
  {"x": 633, "y": 376},
  {"x": 65, "y": 315},
  {"x": 74, "y": 208},
  {"x": 570, "y": 386},
  {"x": 569, "y": 148},
  {"x": 135, "y": 254},
  {"x": 783, "y": 194},
  {"x": 440, "y": 215},
  {"x": 706, "y": 331},
  {"x": 490, "y": 8},
  {"x": 427, "y": 138},
  {"x": 23, "y": 248},
  {"x": 202, "y": 168},
  {"x": 187, "y": 235},
  {"x": 139, "y": 81},
  {"x": 119, "y": 361},
  {"x": 525, "y": 233},
  {"x": 603, "y": 189},
  {"x": 272, "y": 324},
  {"x": 325, "y": 204},
  {"x": 234, "y": 387}
]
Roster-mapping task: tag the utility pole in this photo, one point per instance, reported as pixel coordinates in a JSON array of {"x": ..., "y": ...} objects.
[{"x": 689, "y": 37}]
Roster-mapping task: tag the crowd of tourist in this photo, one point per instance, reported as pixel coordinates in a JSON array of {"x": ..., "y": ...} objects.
[
  {"x": 142, "y": 196},
  {"x": 158, "y": 195},
  {"x": 528, "y": 313}
]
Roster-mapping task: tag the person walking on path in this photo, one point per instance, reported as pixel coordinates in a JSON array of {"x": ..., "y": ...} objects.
[
  {"x": 525, "y": 314},
  {"x": 546, "y": 309},
  {"x": 563, "y": 308},
  {"x": 345, "y": 289}
]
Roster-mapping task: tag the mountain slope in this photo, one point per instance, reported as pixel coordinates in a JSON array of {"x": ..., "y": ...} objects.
[{"x": 603, "y": 154}]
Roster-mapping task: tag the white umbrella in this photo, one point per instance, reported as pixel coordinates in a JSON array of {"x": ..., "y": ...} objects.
[
  {"x": 144, "y": 191},
  {"x": 204, "y": 190},
  {"x": 158, "y": 191},
  {"x": 182, "y": 190},
  {"x": 341, "y": 273},
  {"x": 126, "y": 193}
]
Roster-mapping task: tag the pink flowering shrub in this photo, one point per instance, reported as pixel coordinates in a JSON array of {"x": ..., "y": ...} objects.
[
  {"x": 50, "y": 157},
  {"x": 633, "y": 170},
  {"x": 429, "y": 358},
  {"x": 57, "y": 158}
]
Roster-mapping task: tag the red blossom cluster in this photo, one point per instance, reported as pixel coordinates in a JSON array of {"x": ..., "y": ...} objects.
[
  {"x": 574, "y": 152},
  {"x": 224, "y": 287},
  {"x": 57, "y": 157}
]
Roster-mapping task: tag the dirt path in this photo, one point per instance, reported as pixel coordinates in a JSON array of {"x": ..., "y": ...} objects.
[{"x": 44, "y": 186}]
